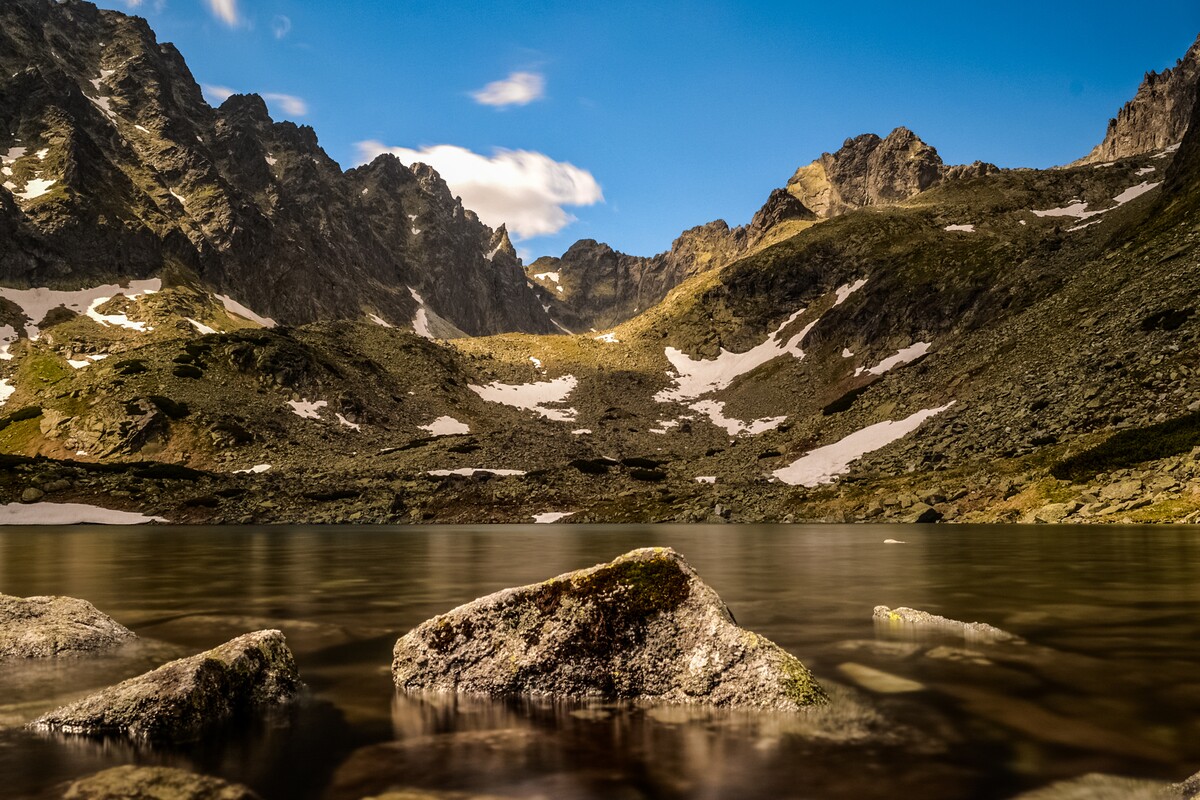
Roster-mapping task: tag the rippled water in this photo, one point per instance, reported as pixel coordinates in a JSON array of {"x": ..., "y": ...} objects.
[{"x": 1110, "y": 679}]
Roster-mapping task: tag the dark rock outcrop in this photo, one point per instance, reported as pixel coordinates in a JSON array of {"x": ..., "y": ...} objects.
[
  {"x": 870, "y": 171},
  {"x": 179, "y": 701},
  {"x": 154, "y": 783},
  {"x": 643, "y": 626},
  {"x": 1157, "y": 116},
  {"x": 116, "y": 167},
  {"x": 44, "y": 627}
]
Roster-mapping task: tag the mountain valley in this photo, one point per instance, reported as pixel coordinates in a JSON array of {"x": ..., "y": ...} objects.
[{"x": 198, "y": 301}]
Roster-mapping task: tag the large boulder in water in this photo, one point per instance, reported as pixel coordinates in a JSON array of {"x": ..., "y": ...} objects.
[
  {"x": 643, "y": 626},
  {"x": 180, "y": 700},
  {"x": 44, "y": 627},
  {"x": 154, "y": 783}
]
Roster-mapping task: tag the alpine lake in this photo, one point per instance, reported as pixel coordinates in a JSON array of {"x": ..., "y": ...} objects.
[{"x": 1107, "y": 680}]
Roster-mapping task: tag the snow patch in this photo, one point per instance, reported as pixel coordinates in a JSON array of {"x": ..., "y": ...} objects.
[
  {"x": 846, "y": 353},
  {"x": 257, "y": 469},
  {"x": 6, "y": 390},
  {"x": 537, "y": 363},
  {"x": 34, "y": 188},
  {"x": 698, "y": 377},
  {"x": 963, "y": 228},
  {"x": 553, "y": 277},
  {"x": 272, "y": 161},
  {"x": 36, "y": 303},
  {"x": 234, "y": 307},
  {"x": 69, "y": 514},
  {"x": 307, "y": 410},
  {"x": 1145, "y": 171},
  {"x": 12, "y": 155},
  {"x": 469, "y": 471},
  {"x": 607, "y": 338},
  {"x": 581, "y": 431},
  {"x": 347, "y": 423},
  {"x": 705, "y": 479},
  {"x": 715, "y": 411},
  {"x": 41, "y": 154},
  {"x": 1079, "y": 209},
  {"x": 446, "y": 426},
  {"x": 86, "y": 361},
  {"x": 378, "y": 320},
  {"x": 551, "y": 516},
  {"x": 201, "y": 327},
  {"x": 844, "y": 292},
  {"x": 420, "y": 321},
  {"x": 178, "y": 197},
  {"x": 824, "y": 464},
  {"x": 8, "y": 335},
  {"x": 532, "y": 396},
  {"x": 903, "y": 356}
]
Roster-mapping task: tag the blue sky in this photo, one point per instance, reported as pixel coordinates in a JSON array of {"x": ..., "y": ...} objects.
[{"x": 628, "y": 122}]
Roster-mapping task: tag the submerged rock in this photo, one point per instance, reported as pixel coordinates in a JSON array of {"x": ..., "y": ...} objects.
[
  {"x": 642, "y": 626},
  {"x": 179, "y": 700},
  {"x": 154, "y": 783},
  {"x": 44, "y": 627},
  {"x": 1108, "y": 787},
  {"x": 909, "y": 620}
]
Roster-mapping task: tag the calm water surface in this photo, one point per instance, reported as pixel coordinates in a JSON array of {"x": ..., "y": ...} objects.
[{"x": 1110, "y": 679}]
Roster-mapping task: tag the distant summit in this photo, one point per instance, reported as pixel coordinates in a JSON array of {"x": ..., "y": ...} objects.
[{"x": 1157, "y": 116}]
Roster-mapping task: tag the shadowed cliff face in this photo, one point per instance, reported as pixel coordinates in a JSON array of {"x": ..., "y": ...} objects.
[
  {"x": 1157, "y": 116},
  {"x": 116, "y": 167}
]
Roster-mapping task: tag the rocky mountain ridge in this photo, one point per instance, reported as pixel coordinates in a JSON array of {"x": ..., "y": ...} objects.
[
  {"x": 1157, "y": 116},
  {"x": 115, "y": 167},
  {"x": 592, "y": 286}
]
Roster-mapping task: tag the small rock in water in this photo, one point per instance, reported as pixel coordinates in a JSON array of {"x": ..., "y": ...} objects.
[
  {"x": 642, "y": 626},
  {"x": 877, "y": 680},
  {"x": 909, "y": 620},
  {"x": 154, "y": 783},
  {"x": 1106, "y": 787},
  {"x": 179, "y": 700},
  {"x": 44, "y": 627}
]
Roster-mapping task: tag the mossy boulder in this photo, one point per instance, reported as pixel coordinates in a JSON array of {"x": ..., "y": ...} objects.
[
  {"x": 181, "y": 700},
  {"x": 45, "y": 627},
  {"x": 644, "y": 626},
  {"x": 154, "y": 783}
]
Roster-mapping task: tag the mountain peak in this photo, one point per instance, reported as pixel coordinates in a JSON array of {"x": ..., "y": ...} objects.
[{"x": 1157, "y": 116}]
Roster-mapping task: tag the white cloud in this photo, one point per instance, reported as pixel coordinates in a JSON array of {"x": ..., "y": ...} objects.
[
  {"x": 518, "y": 89},
  {"x": 225, "y": 10},
  {"x": 217, "y": 94},
  {"x": 522, "y": 189},
  {"x": 281, "y": 26},
  {"x": 289, "y": 104},
  {"x": 295, "y": 106}
]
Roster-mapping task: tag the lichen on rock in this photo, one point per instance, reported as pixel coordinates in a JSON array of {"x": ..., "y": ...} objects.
[
  {"x": 180, "y": 700},
  {"x": 643, "y": 626},
  {"x": 45, "y": 627}
]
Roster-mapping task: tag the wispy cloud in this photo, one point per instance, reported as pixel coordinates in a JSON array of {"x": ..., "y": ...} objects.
[
  {"x": 296, "y": 106},
  {"x": 289, "y": 104},
  {"x": 523, "y": 189},
  {"x": 518, "y": 89},
  {"x": 225, "y": 10},
  {"x": 281, "y": 26},
  {"x": 217, "y": 94}
]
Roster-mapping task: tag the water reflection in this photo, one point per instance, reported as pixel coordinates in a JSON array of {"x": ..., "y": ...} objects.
[{"x": 1108, "y": 680}]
